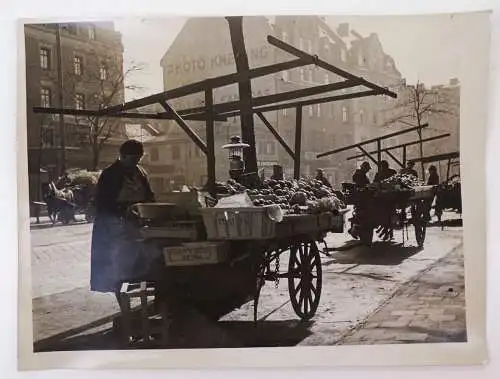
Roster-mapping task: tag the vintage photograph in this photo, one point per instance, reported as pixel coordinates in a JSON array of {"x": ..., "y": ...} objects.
[{"x": 245, "y": 182}]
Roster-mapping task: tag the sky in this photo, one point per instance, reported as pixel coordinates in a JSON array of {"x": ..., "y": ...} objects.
[{"x": 425, "y": 48}]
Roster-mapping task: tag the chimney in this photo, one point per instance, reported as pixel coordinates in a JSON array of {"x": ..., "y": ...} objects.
[
  {"x": 343, "y": 30},
  {"x": 454, "y": 82}
]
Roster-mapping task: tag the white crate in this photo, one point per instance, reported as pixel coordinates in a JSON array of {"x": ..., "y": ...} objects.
[{"x": 238, "y": 223}]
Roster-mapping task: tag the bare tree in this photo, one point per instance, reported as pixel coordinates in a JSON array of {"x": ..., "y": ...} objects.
[
  {"x": 417, "y": 104},
  {"x": 98, "y": 86}
]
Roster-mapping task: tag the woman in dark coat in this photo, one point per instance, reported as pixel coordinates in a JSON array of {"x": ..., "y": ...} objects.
[{"x": 116, "y": 253}]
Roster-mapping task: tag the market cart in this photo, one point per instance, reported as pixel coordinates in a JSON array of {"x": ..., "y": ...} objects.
[
  {"x": 218, "y": 259},
  {"x": 389, "y": 209}
]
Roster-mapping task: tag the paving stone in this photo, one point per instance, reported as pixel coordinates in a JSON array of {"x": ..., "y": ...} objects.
[{"x": 427, "y": 312}]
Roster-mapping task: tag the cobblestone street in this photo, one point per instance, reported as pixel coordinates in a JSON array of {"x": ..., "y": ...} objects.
[{"x": 389, "y": 293}]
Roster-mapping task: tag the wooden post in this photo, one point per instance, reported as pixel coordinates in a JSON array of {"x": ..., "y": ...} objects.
[
  {"x": 404, "y": 156},
  {"x": 210, "y": 141},
  {"x": 298, "y": 142},
  {"x": 379, "y": 151},
  {"x": 245, "y": 91}
]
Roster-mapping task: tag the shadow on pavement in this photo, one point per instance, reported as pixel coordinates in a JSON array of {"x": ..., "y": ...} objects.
[
  {"x": 457, "y": 222},
  {"x": 223, "y": 334},
  {"x": 380, "y": 253}
]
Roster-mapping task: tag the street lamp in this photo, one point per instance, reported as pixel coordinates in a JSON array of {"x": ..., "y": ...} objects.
[{"x": 236, "y": 163}]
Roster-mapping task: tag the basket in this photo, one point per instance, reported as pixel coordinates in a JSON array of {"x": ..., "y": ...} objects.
[
  {"x": 238, "y": 223},
  {"x": 195, "y": 254}
]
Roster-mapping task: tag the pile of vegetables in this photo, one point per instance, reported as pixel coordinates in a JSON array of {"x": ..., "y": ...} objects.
[
  {"x": 84, "y": 178},
  {"x": 231, "y": 187},
  {"x": 403, "y": 181},
  {"x": 297, "y": 196}
]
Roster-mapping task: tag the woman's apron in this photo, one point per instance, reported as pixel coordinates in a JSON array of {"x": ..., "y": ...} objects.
[{"x": 117, "y": 254}]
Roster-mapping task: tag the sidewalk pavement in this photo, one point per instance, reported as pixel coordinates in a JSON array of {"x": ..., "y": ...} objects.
[{"x": 429, "y": 309}]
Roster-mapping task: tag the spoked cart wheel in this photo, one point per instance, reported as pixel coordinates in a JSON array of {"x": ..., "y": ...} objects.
[
  {"x": 419, "y": 220},
  {"x": 304, "y": 278}
]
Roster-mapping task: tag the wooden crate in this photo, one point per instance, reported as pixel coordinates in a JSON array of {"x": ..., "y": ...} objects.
[{"x": 238, "y": 223}]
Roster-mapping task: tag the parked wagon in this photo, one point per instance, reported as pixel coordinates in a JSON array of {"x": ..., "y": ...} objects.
[
  {"x": 243, "y": 249},
  {"x": 392, "y": 209}
]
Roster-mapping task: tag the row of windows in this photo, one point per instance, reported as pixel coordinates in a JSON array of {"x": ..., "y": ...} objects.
[
  {"x": 331, "y": 110},
  {"x": 46, "y": 63},
  {"x": 46, "y": 99},
  {"x": 309, "y": 43}
]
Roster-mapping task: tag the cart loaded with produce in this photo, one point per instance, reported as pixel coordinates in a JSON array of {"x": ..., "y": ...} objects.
[
  {"x": 394, "y": 203},
  {"x": 219, "y": 253}
]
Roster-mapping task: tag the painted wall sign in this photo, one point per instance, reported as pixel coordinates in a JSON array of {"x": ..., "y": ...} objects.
[{"x": 208, "y": 63}]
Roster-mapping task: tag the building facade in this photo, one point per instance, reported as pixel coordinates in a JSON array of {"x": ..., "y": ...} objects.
[
  {"x": 91, "y": 56},
  {"x": 196, "y": 55}
]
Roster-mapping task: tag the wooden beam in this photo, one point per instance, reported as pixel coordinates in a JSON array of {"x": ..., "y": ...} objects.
[
  {"x": 404, "y": 145},
  {"x": 220, "y": 81},
  {"x": 327, "y": 66},
  {"x": 437, "y": 157},
  {"x": 404, "y": 156},
  {"x": 365, "y": 153},
  {"x": 245, "y": 91},
  {"x": 180, "y": 121},
  {"x": 132, "y": 115},
  {"x": 276, "y": 98},
  {"x": 210, "y": 142},
  {"x": 395, "y": 159},
  {"x": 304, "y": 103},
  {"x": 276, "y": 135},
  {"x": 298, "y": 142},
  {"x": 379, "y": 153},
  {"x": 353, "y": 146}
]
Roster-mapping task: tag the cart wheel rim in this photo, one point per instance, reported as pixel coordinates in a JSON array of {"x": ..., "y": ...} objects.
[{"x": 305, "y": 279}]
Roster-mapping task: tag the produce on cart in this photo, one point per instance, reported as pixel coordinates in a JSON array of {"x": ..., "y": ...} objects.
[
  {"x": 392, "y": 204},
  {"x": 218, "y": 256}
]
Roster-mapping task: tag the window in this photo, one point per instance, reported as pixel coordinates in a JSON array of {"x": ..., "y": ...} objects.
[
  {"x": 331, "y": 111},
  {"x": 78, "y": 65},
  {"x": 361, "y": 59},
  {"x": 327, "y": 79},
  {"x": 45, "y": 98},
  {"x": 311, "y": 111},
  {"x": 310, "y": 46},
  {"x": 285, "y": 112},
  {"x": 79, "y": 101},
  {"x": 284, "y": 37},
  {"x": 48, "y": 137},
  {"x": 45, "y": 58},
  {"x": 92, "y": 32},
  {"x": 302, "y": 78},
  {"x": 284, "y": 75},
  {"x": 270, "y": 148},
  {"x": 345, "y": 114},
  {"x": 361, "y": 117},
  {"x": 176, "y": 153},
  {"x": 310, "y": 75},
  {"x": 318, "y": 110},
  {"x": 327, "y": 49},
  {"x": 103, "y": 72},
  {"x": 153, "y": 154},
  {"x": 343, "y": 55}
]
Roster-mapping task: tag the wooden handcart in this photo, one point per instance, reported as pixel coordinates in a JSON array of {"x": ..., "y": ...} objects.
[
  {"x": 392, "y": 209},
  {"x": 243, "y": 250}
]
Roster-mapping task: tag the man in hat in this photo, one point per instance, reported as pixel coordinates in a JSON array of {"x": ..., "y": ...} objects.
[
  {"x": 409, "y": 169},
  {"x": 320, "y": 175},
  {"x": 384, "y": 172},
  {"x": 116, "y": 254},
  {"x": 359, "y": 178}
]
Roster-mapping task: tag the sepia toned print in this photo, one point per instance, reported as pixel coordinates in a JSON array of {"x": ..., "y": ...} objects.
[{"x": 274, "y": 182}]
